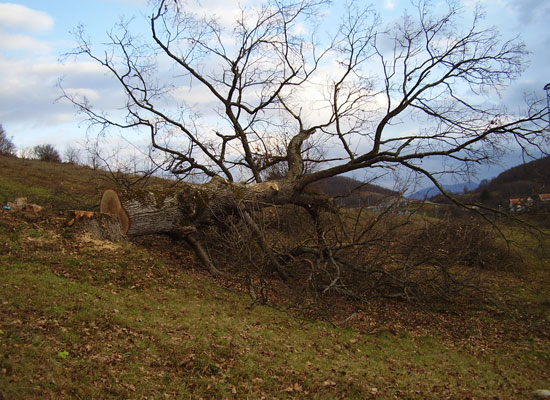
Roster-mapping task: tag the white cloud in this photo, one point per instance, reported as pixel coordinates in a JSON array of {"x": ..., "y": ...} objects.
[
  {"x": 196, "y": 95},
  {"x": 17, "y": 16},
  {"x": 389, "y": 4},
  {"x": 23, "y": 42},
  {"x": 530, "y": 11},
  {"x": 29, "y": 91},
  {"x": 90, "y": 94},
  {"x": 76, "y": 68}
]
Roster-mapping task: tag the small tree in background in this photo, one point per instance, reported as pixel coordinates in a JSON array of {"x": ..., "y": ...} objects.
[
  {"x": 7, "y": 148},
  {"x": 71, "y": 155},
  {"x": 26, "y": 153},
  {"x": 46, "y": 152}
]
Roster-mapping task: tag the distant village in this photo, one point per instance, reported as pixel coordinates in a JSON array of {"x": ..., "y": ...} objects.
[{"x": 540, "y": 202}]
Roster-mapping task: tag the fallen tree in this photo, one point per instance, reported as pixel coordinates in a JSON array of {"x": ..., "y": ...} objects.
[
  {"x": 305, "y": 105},
  {"x": 179, "y": 214}
]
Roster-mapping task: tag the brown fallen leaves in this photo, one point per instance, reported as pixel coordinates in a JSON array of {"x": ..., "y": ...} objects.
[{"x": 294, "y": 388}]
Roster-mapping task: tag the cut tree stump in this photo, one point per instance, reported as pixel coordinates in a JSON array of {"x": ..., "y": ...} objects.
[
  {"x": 137, "y": 214},
  {"x": 147, "y": 213},
  {"x": 99, "y": 225}
]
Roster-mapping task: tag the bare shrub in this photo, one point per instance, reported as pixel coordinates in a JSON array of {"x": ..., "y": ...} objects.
[
  {"x": 464, "y": 242},
  {"x": 46, "y": 152},
  {"x": 26, "y": 153},
  {"x": 421, "y": 258},
  {"x": 71, "y": 155},
  {"x": 7, "y": 148}
]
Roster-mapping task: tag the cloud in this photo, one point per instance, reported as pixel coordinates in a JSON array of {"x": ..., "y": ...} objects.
[
  {"x": 17, "y": 16},
  {"x": 29, "y": 91},
  {"x": 389, "y": 4},
  {"x": 89, "y": 94},
  {"x": 530, "y": 11},
  {"x": 23, "y": 42},
  {"x": 134, "y": 2}
]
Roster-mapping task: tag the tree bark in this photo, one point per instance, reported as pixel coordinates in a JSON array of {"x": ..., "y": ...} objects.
[
  {"x": 180, "y": 213},
  {"x": 196, "y": 204},
  {"x": 150, "y": 215}
]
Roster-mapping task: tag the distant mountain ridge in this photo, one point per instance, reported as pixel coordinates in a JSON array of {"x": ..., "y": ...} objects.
[
  {"x": 529, "y": 179},
  {"x": 524, "y": 180},
  {"x": 457, "y": 188},
  {"x": 537, "y": 172},
  {"x": 352, "y": 193}
]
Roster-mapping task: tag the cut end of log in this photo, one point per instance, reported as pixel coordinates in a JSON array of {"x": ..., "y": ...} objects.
[
  {"x": 124, "y": 220},
  {"x": 110, "y": 204}
]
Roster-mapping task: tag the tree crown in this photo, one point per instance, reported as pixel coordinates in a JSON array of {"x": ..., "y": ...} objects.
[
  {"x": 275, "y": 87},
  {"x": 7, "y": 148}
]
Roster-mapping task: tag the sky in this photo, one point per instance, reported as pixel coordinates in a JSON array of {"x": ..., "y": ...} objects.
[{"x": 35, "y": 34}]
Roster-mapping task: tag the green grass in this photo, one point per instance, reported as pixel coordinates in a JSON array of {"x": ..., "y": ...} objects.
[
  {"x": 89, "y": 320},
  {"x": 59, "y": 186},
  {"x": 130, "y": 325}
]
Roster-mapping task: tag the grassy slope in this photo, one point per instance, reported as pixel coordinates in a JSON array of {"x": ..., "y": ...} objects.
[
  {"x": 61, "y": 186},
  {"x": 89, "y": 319}
]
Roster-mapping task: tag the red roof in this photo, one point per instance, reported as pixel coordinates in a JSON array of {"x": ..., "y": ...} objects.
[
  {"x": 517, "y": 201},
  {"x": 521, "y": 200}
]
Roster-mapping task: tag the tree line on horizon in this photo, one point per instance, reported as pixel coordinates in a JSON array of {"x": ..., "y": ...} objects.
[{"x": 42, "y": 152}]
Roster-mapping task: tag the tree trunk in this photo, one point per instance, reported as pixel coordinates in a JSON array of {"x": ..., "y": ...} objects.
[
  {"x": 179, "y": 213},
  {"x": 150, "y": 215},
  {"x": 194, "y": 204}
]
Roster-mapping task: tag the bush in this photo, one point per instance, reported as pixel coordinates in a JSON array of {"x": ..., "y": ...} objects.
[
  {"x": 464, "y": 242},
  {"x": 71, "y": 155},
  {"x": 7, "y": 148},
  {"x": 46, "y": 152}
]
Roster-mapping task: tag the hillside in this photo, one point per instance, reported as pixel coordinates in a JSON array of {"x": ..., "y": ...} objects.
[
  {"x": 536, "y": 172},
  {"x": 86, "y": 318},
  {"x": 58, "y": 186},
  {"x": 352, "y": 193},
  {"x": 523, "y": 180},
  {"x": 83, "y": 185},
  {"x": 458, "y": 188}
]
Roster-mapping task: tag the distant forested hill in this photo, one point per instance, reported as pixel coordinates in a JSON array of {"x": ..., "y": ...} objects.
[
  {"x": 427, "y": 193},
  {"x": 536, "y": 172},
  {"x": 350, "y": 192},
  {"x": 523, "y": 180}
]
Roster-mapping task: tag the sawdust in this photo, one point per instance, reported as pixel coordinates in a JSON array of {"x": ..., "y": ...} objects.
[{"x": 87, "y": 240}]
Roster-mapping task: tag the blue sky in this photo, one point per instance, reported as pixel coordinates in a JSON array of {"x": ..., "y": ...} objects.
[
  {"x": 33, "y": 37},
  {"x": 35, "y": 34}
]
